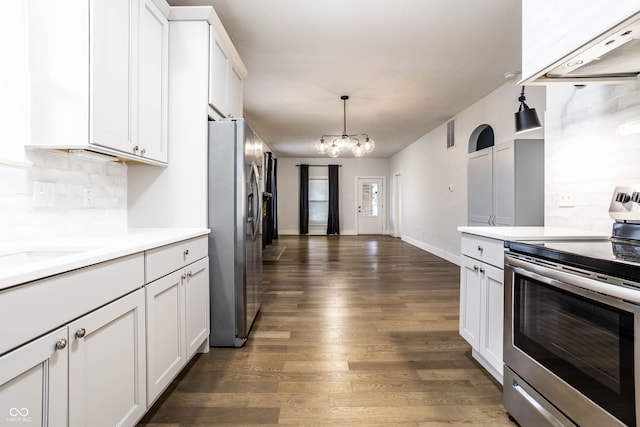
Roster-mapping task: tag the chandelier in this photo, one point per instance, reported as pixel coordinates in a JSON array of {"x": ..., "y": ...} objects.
[{"x": 333, "y": 145}]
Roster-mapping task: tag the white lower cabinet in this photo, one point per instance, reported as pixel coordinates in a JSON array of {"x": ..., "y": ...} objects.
[
  {"x": 92, "y": 369},
  {"x": 481, "y": 300},
  {"x": 117, "y": 345},
  {"x": 34, "y": 382},
  {"x": 107, "y": 365},
  {"x": 177, "y": 311}
]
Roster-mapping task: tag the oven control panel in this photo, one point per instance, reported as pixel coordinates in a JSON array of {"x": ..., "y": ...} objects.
[{"x": 625, "y": 203}]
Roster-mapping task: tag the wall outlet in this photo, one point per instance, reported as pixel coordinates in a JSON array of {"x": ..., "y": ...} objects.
[
  {"x": 44, "y": 193},
  {"x": 566, "y": 199},
  {"x": 88, "y": 197}
]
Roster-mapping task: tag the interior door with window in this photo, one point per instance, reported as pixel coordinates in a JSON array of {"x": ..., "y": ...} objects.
[{"x": 370, "y": 205}]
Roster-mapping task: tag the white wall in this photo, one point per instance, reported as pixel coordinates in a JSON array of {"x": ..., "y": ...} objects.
[
  {"x": 585, "y": 153},
  {"x": 430, "y": 212},
  {"x": 288, "y": 180}
]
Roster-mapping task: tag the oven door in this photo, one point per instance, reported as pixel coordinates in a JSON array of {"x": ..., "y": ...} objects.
[{"x": 571, "y": 341}]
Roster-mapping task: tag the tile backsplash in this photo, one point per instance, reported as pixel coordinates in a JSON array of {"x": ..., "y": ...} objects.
[
  {"x": 90, "y": 196},
  {"x": 586, "y": 154}
]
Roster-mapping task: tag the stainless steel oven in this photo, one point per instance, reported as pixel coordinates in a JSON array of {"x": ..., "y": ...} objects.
[{"x": 570, "y": 349}]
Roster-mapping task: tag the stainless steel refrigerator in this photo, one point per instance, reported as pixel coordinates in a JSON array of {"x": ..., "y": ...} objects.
[{"x": 235, "y": 242}]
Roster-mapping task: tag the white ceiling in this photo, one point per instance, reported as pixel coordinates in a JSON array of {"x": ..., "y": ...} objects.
[{"x": 407, "y": 65}]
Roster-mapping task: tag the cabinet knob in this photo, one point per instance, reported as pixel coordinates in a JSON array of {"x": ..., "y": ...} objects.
[
  {"x": 481, "y": 270},
  {"x": 480, "y": 248},
  {"x": 186, "y": 252},
  {"x": 62, "y": 343},
  {"x": 475, "y": 268},
  {"x": 80, "y": 333},
  {"x": 184, "y": 276},
  {"x": 144, "y": 150},
  {"x": 189, "y": 274},
  {"x": 135, "y": 149}
]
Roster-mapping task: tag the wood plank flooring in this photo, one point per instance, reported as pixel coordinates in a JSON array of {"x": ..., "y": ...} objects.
[{"x": 353, "y": 331}]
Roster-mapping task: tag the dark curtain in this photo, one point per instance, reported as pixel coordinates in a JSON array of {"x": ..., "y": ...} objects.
[
  {"x": 274, "y": 200},
  {"x": 333, "y": 220},
  {"x": 304, "y": 200},
  {"x": 267, "y": 229}
]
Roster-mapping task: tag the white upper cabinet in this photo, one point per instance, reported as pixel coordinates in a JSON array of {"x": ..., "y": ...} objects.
[
  {"x": 153, "y": 52},
  {"x": 553, "y": 29},
  {"x": 219, "y": 65},
  {"x": 226, "y": 72},
  {"x": 99, "y": 77}
]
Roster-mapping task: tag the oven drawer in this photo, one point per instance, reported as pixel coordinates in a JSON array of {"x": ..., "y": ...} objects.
[
  {"x": 527, "y": 406},
  {"x": 484, "y": 249}
]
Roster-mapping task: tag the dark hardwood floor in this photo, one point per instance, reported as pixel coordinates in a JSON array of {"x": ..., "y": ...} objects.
[{"x": 353, "y": 331}]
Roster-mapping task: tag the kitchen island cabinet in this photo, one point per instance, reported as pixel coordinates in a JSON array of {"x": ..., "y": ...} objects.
[
  {"x": 482, "y": 284},
  {"x": 481, "y": 300}
]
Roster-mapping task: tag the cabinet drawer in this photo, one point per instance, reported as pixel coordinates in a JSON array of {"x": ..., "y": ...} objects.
[
  {"x": 166, "y": 259},
  {"x": 30, "y": 310},
  {"x": 484, "y": 249}
]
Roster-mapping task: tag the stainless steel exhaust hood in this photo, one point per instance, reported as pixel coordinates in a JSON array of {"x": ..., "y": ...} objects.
[{"x": 612, "y": 57}]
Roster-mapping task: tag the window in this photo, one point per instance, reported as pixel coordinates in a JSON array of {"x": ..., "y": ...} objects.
[{"x": 318, "y": 200}]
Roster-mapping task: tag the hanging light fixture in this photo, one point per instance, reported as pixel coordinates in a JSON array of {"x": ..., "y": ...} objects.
[
  {"x": 526, "y": 118},
  {"x": 340, "y": 143}
]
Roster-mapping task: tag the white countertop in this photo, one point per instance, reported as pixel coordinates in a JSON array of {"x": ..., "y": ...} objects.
[
  {"x": 534, "y": 233},
  {"x": 25, "y": 261}
]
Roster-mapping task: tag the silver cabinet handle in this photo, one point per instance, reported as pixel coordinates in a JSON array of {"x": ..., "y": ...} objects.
[
  {"x": 189, "y": 274},
  {"x": 62, "y": 343},
  {"x": 186, "y": 252},
  {"x": 80, "y": 333},
  {"x": 183, "y": 277}
]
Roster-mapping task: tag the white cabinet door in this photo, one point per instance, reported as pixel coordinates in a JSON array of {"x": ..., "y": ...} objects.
[
  {"x": 235, "y": 102},
  {"x": 107, "y": 365},
  {"x": 219, "y": 68},
  {"x": 153, "y": 59},
  {"x": 504, "y": 196},
  {"x": 491, "y": 321},
  {"x": 33, "y": 382},
  {"x": 113, "y": 71},
  {"x": 165, "y": 332},
  {"x": 197, "y": 305},
  {"x": 470, "y": 292},
  {"x": 480, "y": 187}
]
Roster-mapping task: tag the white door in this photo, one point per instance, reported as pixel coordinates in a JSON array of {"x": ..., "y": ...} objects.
[{"x": 370, "y": 205}]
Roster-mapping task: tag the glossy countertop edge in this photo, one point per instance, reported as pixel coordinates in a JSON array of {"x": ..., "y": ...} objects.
[
  {"x": 534, "y": 233},
  {"x": 87, "y": 250}
]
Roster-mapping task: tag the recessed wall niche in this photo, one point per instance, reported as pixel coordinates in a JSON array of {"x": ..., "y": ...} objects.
[{"x": 481, "y": 137}]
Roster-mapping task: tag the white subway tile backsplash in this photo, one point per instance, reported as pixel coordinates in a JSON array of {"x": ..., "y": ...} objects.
[
  {"x": 20, "y": 219},
  {"x": 584, "y": 149}
]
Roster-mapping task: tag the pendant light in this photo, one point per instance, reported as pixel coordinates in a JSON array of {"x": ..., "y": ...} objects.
[
  {"x": 526, "y": 118},
  {"x": 340, "y": 143}
]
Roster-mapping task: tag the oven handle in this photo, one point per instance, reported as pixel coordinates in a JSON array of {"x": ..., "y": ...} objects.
[
  {"x": 616, "y": 291},
  {"x": 553, "y": 421}
]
